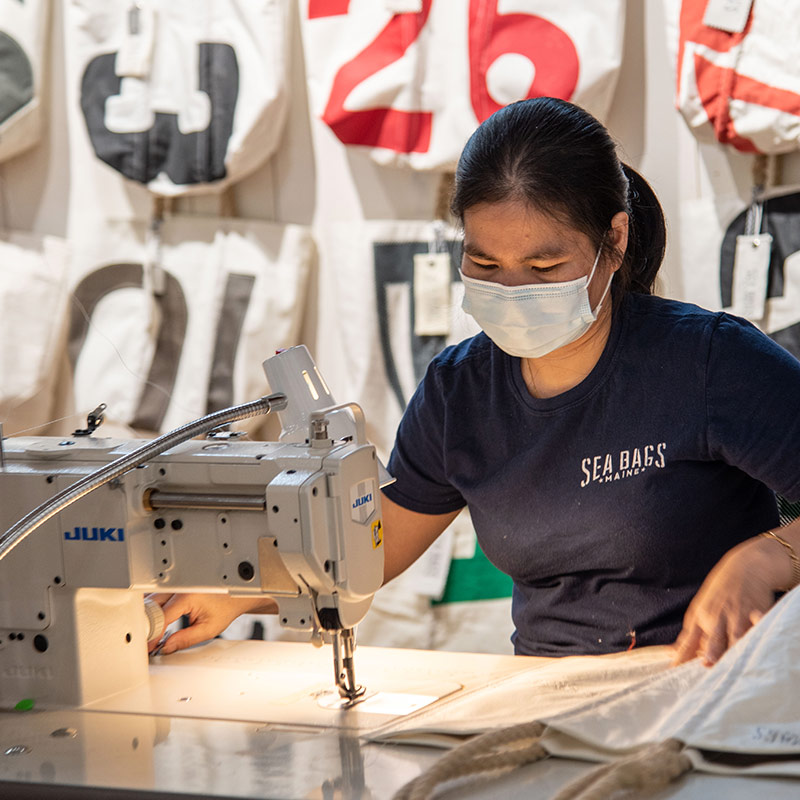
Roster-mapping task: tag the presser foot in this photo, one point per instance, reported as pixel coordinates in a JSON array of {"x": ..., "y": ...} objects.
[{"x": 343, "y": 648}]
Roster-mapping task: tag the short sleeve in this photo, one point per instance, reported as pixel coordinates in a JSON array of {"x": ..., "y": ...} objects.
[
  {"x": 753, "y": 405},
  {"x": 418, "y": 461}
]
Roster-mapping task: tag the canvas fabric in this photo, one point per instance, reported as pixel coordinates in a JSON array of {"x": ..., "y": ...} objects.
[
  {"x": 411, "y": 81},
  {"x": 168, "y": 339},
  {"x": 738, "y": 717},
  {"x": 33, "y": 309},
  {"x": 744, "y": 705},
  {"x": 191, "y": 103},
  {"x": 741, "y": 89},
  {"x": 23, "y": 38}
]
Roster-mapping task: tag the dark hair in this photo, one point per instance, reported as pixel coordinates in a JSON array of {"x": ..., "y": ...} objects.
[{"x": 559, "y": 159}]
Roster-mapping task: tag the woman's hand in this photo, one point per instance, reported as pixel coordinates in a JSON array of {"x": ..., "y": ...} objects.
[
  {"x": 735, "y": 595},
  {"x": 209, "y": 615}
]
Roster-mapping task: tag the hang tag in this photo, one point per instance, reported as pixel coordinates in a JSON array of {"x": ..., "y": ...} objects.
[
  {"x": 135, "y": 53},
  {"x": 403, "y": 6},
  {"x": 727, "y": 15},
  {"x": 750, "y": 273},
  {"x": 432, "y": 294}
]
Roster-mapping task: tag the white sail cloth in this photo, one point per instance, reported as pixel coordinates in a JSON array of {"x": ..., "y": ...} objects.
[
  {"x": 741, "y": 716},
  {"x": 23, "y": 37},
  {"x": 182, "y": 97},
  {"x": 410, "y": 81}
]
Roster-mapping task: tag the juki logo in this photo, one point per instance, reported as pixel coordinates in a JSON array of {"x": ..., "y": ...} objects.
[
  {"x": 363, "y": 500},
  {"x": 26, "y": 671},
  {"x": 95, "y": 534}
]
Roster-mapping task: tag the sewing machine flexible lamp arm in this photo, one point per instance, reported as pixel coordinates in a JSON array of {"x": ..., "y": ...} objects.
[{"x": 25, "y": 526}]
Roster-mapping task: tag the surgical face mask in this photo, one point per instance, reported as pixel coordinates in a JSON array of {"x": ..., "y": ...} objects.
[{"x": 532, "y": 320}]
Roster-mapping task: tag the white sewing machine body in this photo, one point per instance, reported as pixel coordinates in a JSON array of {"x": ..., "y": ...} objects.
[{"x": 298, "y": 522}]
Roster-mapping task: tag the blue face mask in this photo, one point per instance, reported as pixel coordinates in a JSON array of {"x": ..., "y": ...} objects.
[{"x": 532, "y": 320}]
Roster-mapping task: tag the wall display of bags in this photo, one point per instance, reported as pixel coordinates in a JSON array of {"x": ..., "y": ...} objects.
[
  {"x": 709, "y": 228},
  {"x": 33, "y": 305},
  {"x": 411, "y": 79},
  {"x": 180, "y": 96},
  {"x": 23, "y": 36},
  {"x": 738, "y": 78},
  {"x": 161, "y": 345}
]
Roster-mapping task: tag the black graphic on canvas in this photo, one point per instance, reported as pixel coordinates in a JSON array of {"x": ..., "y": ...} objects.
[
  {"x": 186, "y": 158},
  {"x": 16, "y": 77}
]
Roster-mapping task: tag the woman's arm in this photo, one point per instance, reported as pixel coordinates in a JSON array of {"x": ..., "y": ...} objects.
[
  {"x": 209, "y": 615},
  {"x": 407, "y": 535},
  {"x": 736, "y": 594}
]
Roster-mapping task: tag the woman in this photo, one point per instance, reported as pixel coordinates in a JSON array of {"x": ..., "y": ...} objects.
[{"x": 619, "y": 452}]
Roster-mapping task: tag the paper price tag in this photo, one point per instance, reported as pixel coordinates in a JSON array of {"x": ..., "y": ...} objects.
[
  {"x": 750, "y": 273},
  {"x": 432, "y": 294},
  {"x": 727, "y": 15}
]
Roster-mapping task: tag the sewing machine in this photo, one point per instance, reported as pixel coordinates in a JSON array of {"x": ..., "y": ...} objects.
[{"x": 296, "y": 520}]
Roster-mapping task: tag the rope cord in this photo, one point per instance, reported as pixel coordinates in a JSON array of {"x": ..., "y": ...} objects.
[
  {"x": 650, "y": 768},
  {"x": 496, "y": 750}
]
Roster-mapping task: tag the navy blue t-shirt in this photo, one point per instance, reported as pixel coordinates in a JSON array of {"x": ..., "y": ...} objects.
[{"x": 609, "y": 504}]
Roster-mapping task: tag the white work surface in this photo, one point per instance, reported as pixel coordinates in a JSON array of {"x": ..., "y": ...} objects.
[{"x": 251, "y": 720}]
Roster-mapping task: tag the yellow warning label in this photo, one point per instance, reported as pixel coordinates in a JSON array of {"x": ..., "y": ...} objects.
[{"x": 377, "y": 534}]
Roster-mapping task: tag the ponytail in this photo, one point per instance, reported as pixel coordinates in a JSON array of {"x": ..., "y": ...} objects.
[{"x": 647, "y": 237}]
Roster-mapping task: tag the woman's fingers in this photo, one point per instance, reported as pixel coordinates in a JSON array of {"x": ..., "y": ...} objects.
[{"x": 687, "y": 645}]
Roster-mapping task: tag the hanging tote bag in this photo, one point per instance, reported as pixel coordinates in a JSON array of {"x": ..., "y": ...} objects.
[
  {"x": 741, "y": 86},
  {"x": 180, "y": 95},
  {"x": 411, "y": 79},
  {"x": 23, "y": 31}
]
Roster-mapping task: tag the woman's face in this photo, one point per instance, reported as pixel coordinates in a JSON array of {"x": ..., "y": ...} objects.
[{"x": 513, "y": 244}]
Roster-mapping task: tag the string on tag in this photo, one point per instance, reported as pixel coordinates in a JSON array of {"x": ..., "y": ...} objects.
[{"x": 755, "y": 213}]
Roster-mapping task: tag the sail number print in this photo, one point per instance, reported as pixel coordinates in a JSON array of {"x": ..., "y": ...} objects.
[{"x": 411, "y": 79}]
